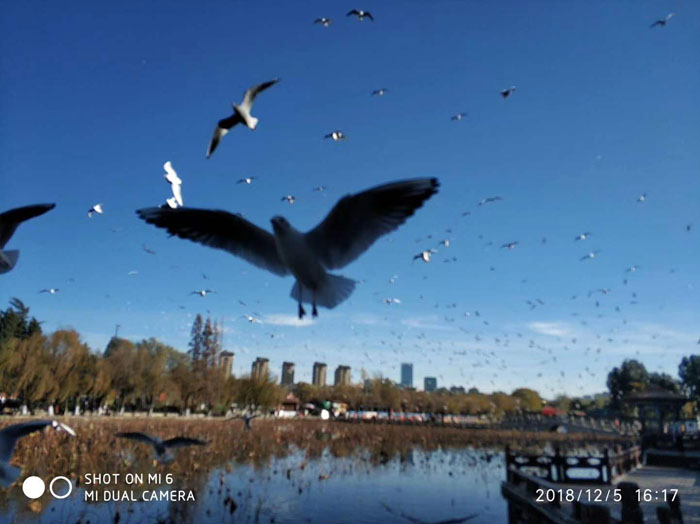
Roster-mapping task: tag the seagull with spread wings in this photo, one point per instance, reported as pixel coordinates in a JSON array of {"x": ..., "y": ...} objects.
[
  {"x": 175, "y": 183},
  {"x": 9, "y": 221},
  {"x": 662, "y": 22},
  {"x": 9, "y": 436},
  {"x": 161, "y": 447},
  {"x": 241, "y": 115},
  {"x": 325, "y": 22},
  {"x": 360, "y": 14},
  {"x": 351, "y": 227}
]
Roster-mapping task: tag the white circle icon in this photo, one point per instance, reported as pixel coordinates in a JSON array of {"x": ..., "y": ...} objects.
[
  {"x": 33, "y": 487},
  {"x": 70, "y": 487}
]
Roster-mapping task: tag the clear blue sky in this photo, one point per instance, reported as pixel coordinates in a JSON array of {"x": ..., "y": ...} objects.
[{"x": 97, "y": 96}]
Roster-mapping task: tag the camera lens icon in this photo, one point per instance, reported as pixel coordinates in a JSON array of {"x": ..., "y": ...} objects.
[{"x": 33, "y": 487}]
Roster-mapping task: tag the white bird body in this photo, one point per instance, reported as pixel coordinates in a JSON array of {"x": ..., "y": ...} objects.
[
  {"x": 97, "y": 208},
  {"x": 175, "y": 183}
]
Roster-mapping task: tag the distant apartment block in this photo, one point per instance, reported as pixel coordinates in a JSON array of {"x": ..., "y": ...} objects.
[
  {"x": 407, "y": 375},
  {"x": 319, "y": 375},
  {"x": 259, "y": 369},
  {"x": 342, "y": 376},
  {"x": 429, "y": 384},
  {"x": 226, "y": 363},
  {"x": 287, "y": 374}
]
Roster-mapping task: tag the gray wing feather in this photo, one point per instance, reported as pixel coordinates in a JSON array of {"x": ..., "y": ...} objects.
[
  {"x": 11, "y": 434},
  {"x": 357, "y": 221},
  {"x": 179, "y": 442},
  {"x": 139, "y": 437},
  {"x": 221, "y": 230},
  {"x": 9, "y": 220},
  {"x": 250, "y": 94}
]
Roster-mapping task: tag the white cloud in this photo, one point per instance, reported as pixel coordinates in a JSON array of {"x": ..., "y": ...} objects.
[
  {"x": 552, "y": 329},
  {"x": 282, "y": 319}
]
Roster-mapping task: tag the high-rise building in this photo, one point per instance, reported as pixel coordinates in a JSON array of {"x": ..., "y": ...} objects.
[
  {"x": 319, "y": 376},
  {"x": 407, "y": 375},
  {"x": 226, "y": 363},
  {"x": 342, "y": 376},
  {"x": 259, "y": 368},
  {"x": 287, "y": 373},
  {"x": 429, "y": 384}
]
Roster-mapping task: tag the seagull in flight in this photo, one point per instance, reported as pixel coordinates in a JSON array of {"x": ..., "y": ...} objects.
[
  {"x": 9, "y": 220},
  {"x": 458, "y": 116},
  {"x": 507, "y": 92},
  {"x": 148, "y": 249},
  {"x": 51, "y": 291},
  {"x": 380, "y": 92},
  {"x": 325, "y": 22},
  {"x": 642, "y": 198},
  {"x": 391, "y": 300},
  {"x": 289, "y": 198},
  {"x": 241, "y": 115},
  {"x": 175, "y": 183},
  {"x": 320, "y": 189},
  {"x": 97, "y": 208},
  {"x": 590, "y": 255},
  {"x": 582, "y": 236},
  {"x": 425, "y": 255},
  {"x": 336, "y": 135},
  {"x": 351, "y": 227},
  {"x": 161, "y": 447},
  {"x": 510, "y": 245},
  {"x": 202, "y": 292},
  {"x": 247, "y": 180},
  {"x": 662, "y": 22},
  {"x": 360, "y": 14},
  {"x": 9, "y": 436},
  {"x": 488, "y": 200}
]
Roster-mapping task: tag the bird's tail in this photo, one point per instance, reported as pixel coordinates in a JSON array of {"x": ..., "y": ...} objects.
[
  {"x": 334, "y": 290},
  {"x": 8, "y": 474},
  {"x": 8, "y": 259},
  {"x": 253, "y": 122}
]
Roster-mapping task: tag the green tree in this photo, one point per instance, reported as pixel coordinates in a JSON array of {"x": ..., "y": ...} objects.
[
  {"x": 528, "y": 399},
  {"x": 689, "y": 372},
  {"x": 196, "y": 339},
  {"x": 631, "y": 376}
]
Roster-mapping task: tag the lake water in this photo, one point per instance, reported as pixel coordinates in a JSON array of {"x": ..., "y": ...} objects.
[{"x": 425, "y": 486}]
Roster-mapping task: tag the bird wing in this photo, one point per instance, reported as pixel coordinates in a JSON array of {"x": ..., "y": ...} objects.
[
  {"x": 180, "y": 442},
  {"x": 9, "y": 220},
  {"x": 658, "y": 22},
  {"x": 222, "y": 230},
  {"x": 353, "y": 12},
  {"x": 11, "y": 434},
  {"x": 369, "y": 15},
  {"x": 250, "y": 94},
  {"x": 358, "y": 220},
  {"x": 139, "y": 437},
  {"x": 222, "y": 127}
]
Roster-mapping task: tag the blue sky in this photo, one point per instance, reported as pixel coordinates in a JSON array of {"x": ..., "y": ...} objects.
[{"x": 96, "y": 97}]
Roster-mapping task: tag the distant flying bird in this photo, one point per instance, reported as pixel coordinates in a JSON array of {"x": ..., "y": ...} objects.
[
  {"x": 488, "y": 200},
  {"x": 51, "y": 291},
  {"x": 289, "y": 198},
  {"x": 325, "y": 22},
  {"x": 148, "y": 250},
  {"x": 390, "y": 300},
  {"x": 175, "y": 183},
  {"x": 251, "y": 319},
  {"x": 9, "y": 221},
  {"x": 351, "y": 227},
  {"x": 445, "y": 242},
  {"x": 9, "y": 436},
  {"x": 241, "y": 115},
  {"x": 582, "y": 236},
  {"x": 336, "y": 135},
  {"x": 642, "y": 198},
  {"x": 459, "y": 116},
  {"x": 590, "y": 255},
  {"x": 380, "y": 92},
  {"x": 688, "y": 227},
  {"x": 202, "y": 292},
  {"x": 662, "y": 22},
  {"x": 247, "y": 180},
  {"x": 510, "y": 245},
  {"x": 361, "y": 15},
  {"x": 161, "y": 447},
  {"x": 425, "y": 255},
  {"x": 319, "y": 189},
  {"x": 97, "y": 208},
  {"x": 505, "y": 93},
  {"x": 631, "y": 269}
]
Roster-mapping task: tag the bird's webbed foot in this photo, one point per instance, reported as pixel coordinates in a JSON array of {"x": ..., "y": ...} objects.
[
  {"x": 314, "y": 311},
  {"x": 302, "y": 311}
]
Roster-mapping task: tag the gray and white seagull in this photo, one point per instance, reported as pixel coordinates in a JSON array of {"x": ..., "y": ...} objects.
[
  {"x": 241, "y": 115},
  {"x": 9, "y": 436},
  {"x": 351, "y": 227},
  {"x": 9, "y": 221},
  {"x": 161, "y": 447}
]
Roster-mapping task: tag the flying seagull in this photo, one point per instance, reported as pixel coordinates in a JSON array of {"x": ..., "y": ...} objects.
[
  {"x": 9, "y": 220},
  {"x": 202, "y": 292},
  {"x": 319, "y": 189},
  {"x": 590, "y": 255},
  {"x": 336, "y": 135},
  {"x": 488, "y": 200},
  {"x": 241, "y": 115},
  {"x": 380, "y": 92},
  {"x": 9, "y": 436},
  {"x": 51, "y": 291},
  {"x": 642, "y": 198},
  {"x": 325, "y": 22},
  {"x": 662, "y": 22},
  {"x": 97, "y": 208},
  {"x": 175, "y": 183},
  {"x": 425, "y": 255},
  {"x": 458, "y": 116},
  {"x": 507, "y": 92},
  {"x": 391, "y": 300},
  {"x": 510, "y": 245},
  {"x": 351, "y": 227},
  {"x": 360, "y": 14},
  {"x": 582, "y": 236},
  {"x": 289, "y": 198},
  {"x": 161, "y": 447},
  {"x": 247, "y": 180}
]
